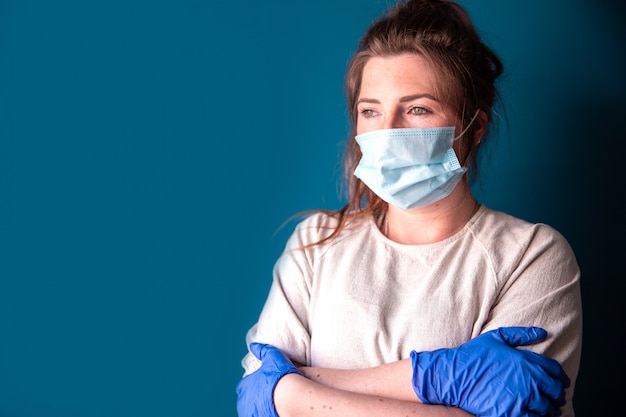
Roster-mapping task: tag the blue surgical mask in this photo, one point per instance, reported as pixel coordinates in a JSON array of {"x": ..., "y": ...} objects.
[{"x": 409, "y": 168}]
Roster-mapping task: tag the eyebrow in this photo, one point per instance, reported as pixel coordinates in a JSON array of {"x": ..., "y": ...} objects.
[
  {"x": 402, "y": 100},
  {"x": 416, "y": 96}
]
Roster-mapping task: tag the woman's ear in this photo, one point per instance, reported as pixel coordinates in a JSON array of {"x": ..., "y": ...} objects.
[{"x": 482, "y": 122}]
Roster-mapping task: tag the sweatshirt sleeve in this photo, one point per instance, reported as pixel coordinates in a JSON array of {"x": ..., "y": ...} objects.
[
  {"x": 283, "y": 321},
  {"x": 543, "y": 289}
]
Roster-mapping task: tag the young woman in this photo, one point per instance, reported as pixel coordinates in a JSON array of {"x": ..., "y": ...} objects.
[{"x": 414, "y": 299}]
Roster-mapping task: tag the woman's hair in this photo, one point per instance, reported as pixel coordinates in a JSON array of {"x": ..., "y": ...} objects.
[{"x": 442, "y": 33}]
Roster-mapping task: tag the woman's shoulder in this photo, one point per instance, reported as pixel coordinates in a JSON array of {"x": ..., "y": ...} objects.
[
  {"x": 318, "y": 219},
  {"x": 504, "y": 232},
  {"x": 316, "y": 226},
  {"x": 503, "y": 222}
]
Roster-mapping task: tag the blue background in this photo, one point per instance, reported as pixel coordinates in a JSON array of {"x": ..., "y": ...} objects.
[{"x": 150, "y": 151}]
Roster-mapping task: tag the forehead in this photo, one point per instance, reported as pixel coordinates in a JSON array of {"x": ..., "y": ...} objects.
[{"x": 397, "y": 75}]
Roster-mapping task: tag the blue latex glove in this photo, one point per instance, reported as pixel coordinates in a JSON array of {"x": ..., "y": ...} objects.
[
  {"x": 255, "y": 392},
  {"x": 487, "y": 376}
]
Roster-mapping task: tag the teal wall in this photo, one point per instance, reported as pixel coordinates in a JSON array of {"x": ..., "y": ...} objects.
[{"x": 151, "y": 149}]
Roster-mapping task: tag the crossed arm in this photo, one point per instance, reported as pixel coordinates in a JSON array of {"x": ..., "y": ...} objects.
[
  {"x": 485, "y": 376},
  {"x": 391, "y": 380},
  {"x": 296, "y": 395},
  {"x": 384, "y": 390}
]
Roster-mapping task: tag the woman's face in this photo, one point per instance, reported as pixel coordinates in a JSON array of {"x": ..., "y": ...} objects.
[{"x": 399, "y": 92}]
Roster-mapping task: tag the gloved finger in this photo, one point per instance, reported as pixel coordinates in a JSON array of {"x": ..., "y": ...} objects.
[
  {"x": 241, "y": 385},
  {"x": 554, "y": 391},
  {"x": 522, "y": 336},
  {"x": 548, "y": 387},
  {"x": 541, "y": 405},
  {"x": 527, "y": 414},
  {"x": 259, "y": 350},
  {"x": 551, "y": 366},
  {"x": 273, "y": 359},
  {"x": 557, "y": 410}
]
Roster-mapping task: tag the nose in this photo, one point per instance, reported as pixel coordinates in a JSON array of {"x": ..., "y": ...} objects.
[{"x": 394, "y": 120}]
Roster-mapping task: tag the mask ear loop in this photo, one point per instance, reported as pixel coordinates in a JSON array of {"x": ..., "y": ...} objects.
[{"x": 467, "y": 127}]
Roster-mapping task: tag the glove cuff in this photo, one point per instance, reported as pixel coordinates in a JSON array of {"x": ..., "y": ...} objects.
[{"x": 417, "y": 380}]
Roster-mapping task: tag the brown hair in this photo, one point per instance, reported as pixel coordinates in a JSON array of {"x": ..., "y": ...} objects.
[{"x": 442, "y": 32}]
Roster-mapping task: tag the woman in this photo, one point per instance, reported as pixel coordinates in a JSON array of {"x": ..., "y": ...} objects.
[{"x": 402, "y": 303}]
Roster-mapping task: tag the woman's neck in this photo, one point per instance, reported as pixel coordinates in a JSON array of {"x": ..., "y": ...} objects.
[{"x": 433, "y": 223}]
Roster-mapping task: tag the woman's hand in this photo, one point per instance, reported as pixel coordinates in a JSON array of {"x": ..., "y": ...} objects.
[
  {"x": 487, "y": 376},
  {"x": 255, "y": 392}
]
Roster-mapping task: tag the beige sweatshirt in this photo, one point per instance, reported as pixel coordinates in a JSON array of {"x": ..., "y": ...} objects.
[{"x": 363, "y": 300}]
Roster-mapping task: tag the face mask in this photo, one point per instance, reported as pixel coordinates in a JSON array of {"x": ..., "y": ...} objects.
[{"x": 409, "y": 168}]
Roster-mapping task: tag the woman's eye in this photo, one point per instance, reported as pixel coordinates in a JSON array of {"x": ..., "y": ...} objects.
[
  {"x": 368, "y": 113},
  {"x": 418, "y": 111}
]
